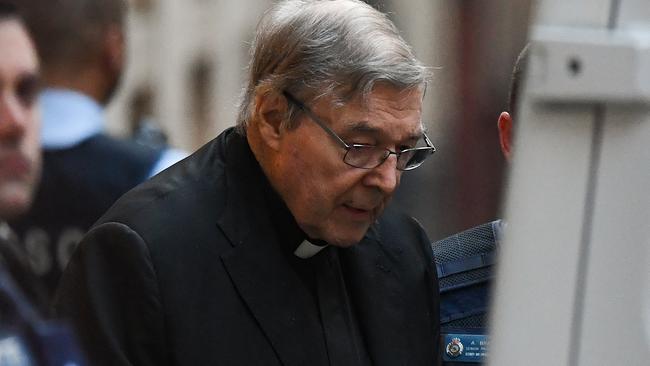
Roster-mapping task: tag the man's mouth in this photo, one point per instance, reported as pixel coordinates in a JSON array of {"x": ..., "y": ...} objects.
[
  {"x": 14, "y": 165},
  {"x": 359, "y": 213}
]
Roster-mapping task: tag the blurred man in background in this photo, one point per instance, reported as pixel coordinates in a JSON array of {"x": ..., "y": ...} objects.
[
  {"x": 81, "y": 44},
  {"x": 20, "y": 159},
  {"x": 25, "y": 337}
]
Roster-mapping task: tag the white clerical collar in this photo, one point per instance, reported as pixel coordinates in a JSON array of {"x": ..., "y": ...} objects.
[{"x": 307, "y": 250}]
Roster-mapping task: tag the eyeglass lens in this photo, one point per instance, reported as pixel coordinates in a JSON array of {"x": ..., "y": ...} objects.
[{"x": 371, "y": 156}]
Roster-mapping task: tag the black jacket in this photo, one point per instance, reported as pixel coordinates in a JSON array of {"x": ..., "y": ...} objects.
[{"x": 186, "y": 270}]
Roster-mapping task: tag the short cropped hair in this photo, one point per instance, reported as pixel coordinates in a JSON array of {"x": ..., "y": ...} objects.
[
  {"x": 516, "y": 80},
  {"x": 8, "y": 11},
  {"x": 313, "y": 48},
  {"x": 67, "y": 33}
]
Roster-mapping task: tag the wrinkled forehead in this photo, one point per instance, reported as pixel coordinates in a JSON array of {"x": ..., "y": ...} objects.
[
  {"x": 351, "y": 94},
  {"x": 388, "y": 112}
]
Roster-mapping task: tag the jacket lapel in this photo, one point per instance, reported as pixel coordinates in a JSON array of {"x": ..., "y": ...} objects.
[
  {"x": 275, "y": 295},
  {"x": 278, "y": 301},
  {"x": 377, "y": 293}
]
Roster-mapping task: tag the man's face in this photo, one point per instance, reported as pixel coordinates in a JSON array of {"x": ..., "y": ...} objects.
[
  {"x": 329, "y": 199},
  {"x": 19, "y": 125}
]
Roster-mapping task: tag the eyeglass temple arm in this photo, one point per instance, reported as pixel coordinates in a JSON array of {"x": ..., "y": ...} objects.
[
  {"x": 322, "y": 125},
  {"x": 427, "y": 141}
]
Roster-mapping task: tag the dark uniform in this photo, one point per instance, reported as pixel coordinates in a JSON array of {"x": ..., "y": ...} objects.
[
  {"x": 78, "y": 185},
  {"x": 464, "y": 263},
  {"x": 26, "y": 339}
]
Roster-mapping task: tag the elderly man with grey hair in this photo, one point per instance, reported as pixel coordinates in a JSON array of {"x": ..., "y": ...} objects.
[{"x": 270, "y": 245}]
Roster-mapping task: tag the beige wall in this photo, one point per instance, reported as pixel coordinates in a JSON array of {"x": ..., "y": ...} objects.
[{"x": 166, "y": 43}]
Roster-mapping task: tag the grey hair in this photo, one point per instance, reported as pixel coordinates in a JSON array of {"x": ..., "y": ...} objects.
[{"x": 314, "y": 48}]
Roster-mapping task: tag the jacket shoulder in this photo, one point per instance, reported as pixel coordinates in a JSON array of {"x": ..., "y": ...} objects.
[{"x": 190, "y": 186}]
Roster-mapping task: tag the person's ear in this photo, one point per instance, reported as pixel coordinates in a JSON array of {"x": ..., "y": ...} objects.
[
  {"x": 270, "y": 111},
  {"x": 114, "y": 49},
  {"x": 505, "y": 134}
]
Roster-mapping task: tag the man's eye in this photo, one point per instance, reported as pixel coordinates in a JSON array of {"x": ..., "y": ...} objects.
[{"x": 27, "y": 90}]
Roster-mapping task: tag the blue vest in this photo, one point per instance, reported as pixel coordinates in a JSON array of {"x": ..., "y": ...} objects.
[{"x": 464, "y": 262}]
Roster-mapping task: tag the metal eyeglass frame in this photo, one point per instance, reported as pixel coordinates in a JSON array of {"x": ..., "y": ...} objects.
[{"x": 430, "y": 148}]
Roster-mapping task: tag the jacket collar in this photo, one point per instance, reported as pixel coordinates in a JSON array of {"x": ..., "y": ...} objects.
[{"x": 259, "y": 268}]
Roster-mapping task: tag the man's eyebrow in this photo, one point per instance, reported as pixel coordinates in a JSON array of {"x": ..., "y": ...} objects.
[
  {"x": 366, "y": 128},
  {"x": 362, "y": 126}
]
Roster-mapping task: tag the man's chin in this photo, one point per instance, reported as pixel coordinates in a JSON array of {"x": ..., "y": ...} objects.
[
  {"x": 14, "y": 201},
  {"x": 339, "y": 234},
  {"x": 346, "y": 238},
  {"x": 344, "y": 244}
]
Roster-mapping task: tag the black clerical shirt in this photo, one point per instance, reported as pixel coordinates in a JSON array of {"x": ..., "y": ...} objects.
[{"x": 324, "y": 277}]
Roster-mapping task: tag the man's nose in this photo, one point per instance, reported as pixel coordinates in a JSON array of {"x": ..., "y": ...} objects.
[
  {"x": 13, "y": 116},
  {"x": 385, "y": 177}
]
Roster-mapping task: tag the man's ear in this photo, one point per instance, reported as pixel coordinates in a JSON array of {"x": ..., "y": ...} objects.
[
  {"x": 505, "y": 134},
  {"x": 270, "y": 109},
  {"x": 113, "y": 49}
]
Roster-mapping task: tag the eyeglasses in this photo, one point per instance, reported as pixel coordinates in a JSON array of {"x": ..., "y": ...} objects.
[{"x": 370, "y": 156}]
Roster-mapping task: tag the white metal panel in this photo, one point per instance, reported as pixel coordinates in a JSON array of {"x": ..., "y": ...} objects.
[
  {"x": 537, "y": 263},
  {"x": 594, "y": 13},
  {"x": 644, "y": 282},
  {"x": 632, "y": 13},
  {"x": 572, "y": 64},
  {"x": 573, "y": 287},
  {"x": 613, "y": 332}
]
